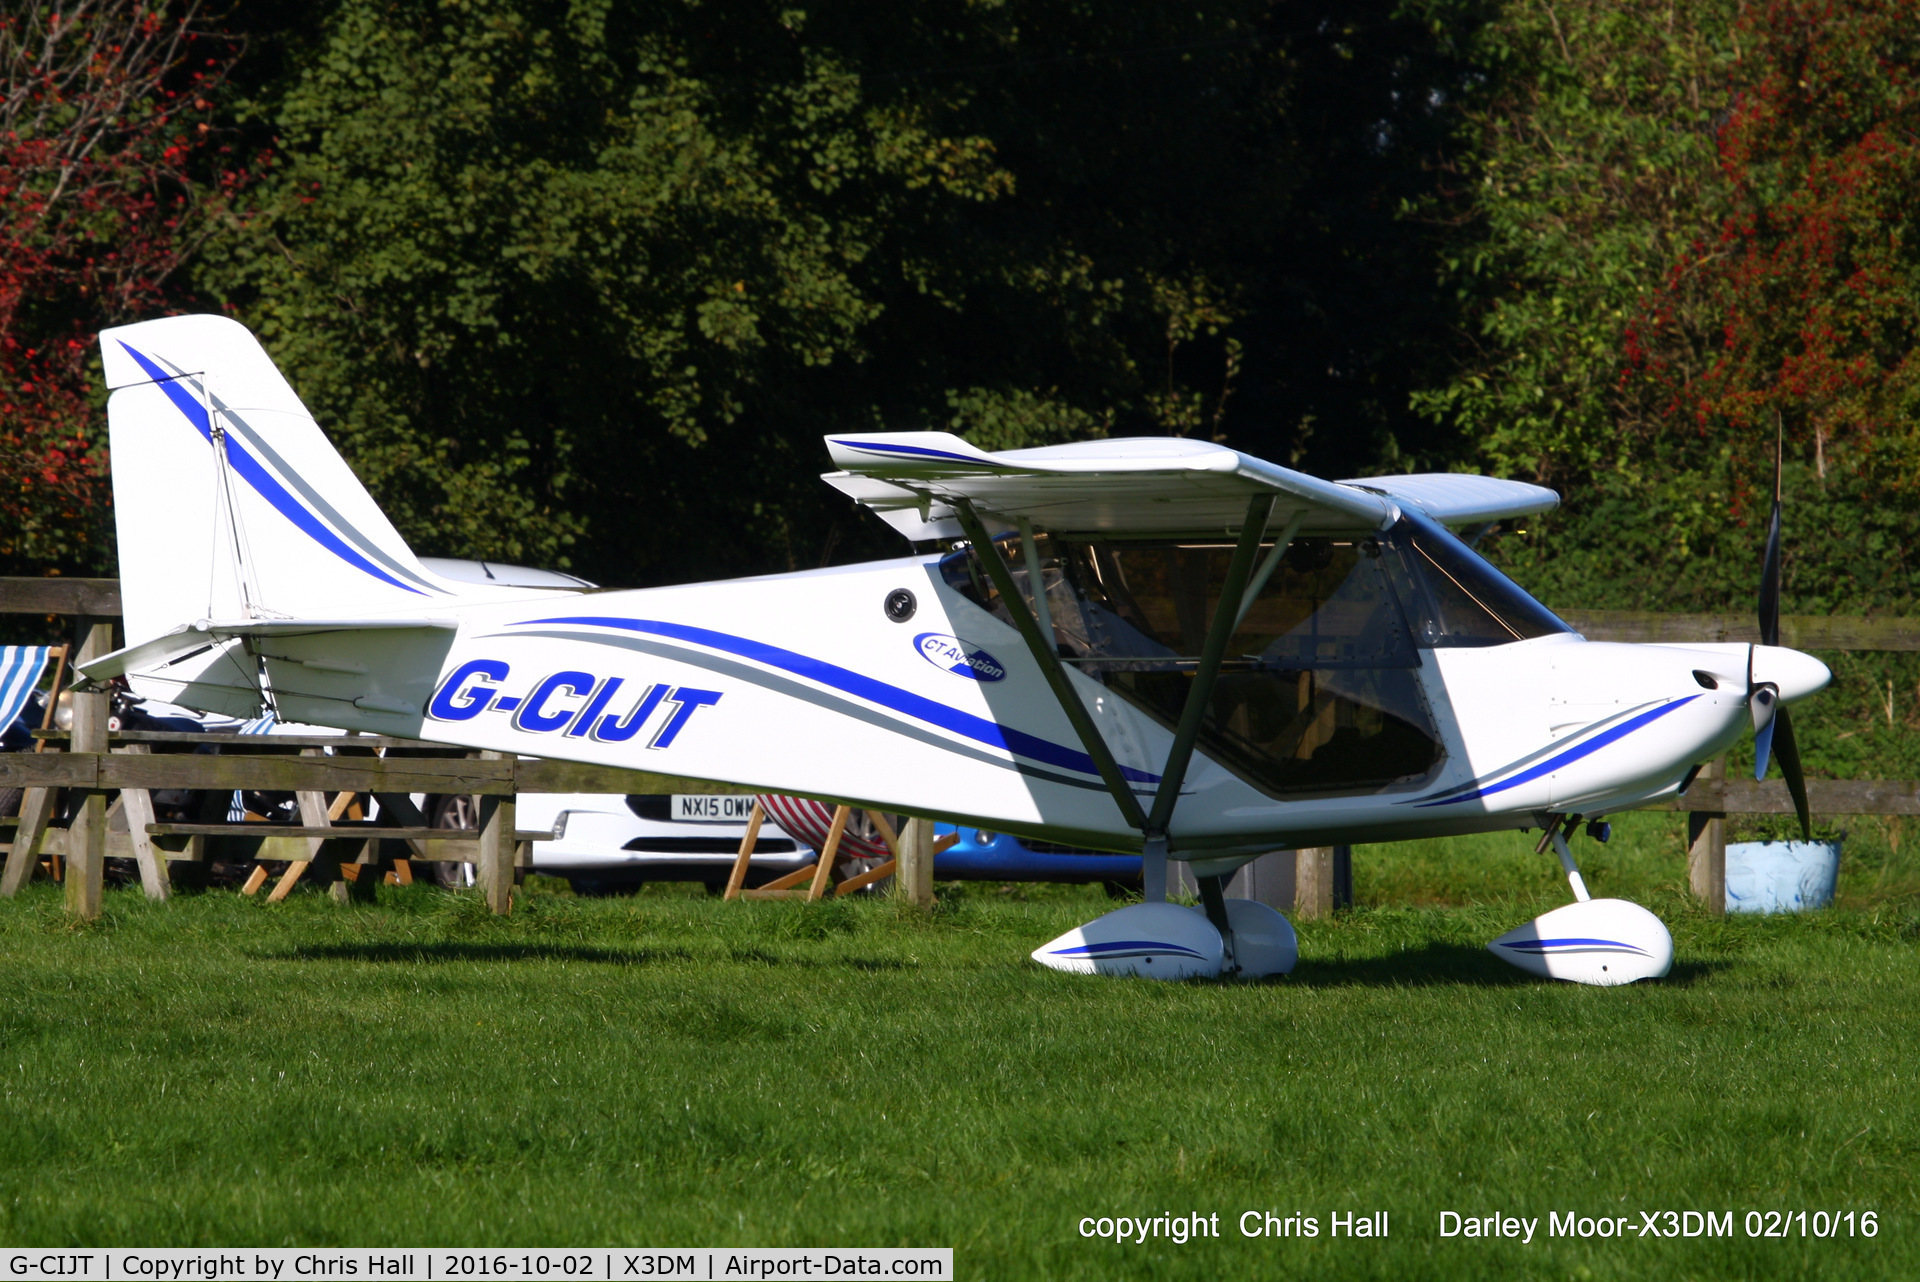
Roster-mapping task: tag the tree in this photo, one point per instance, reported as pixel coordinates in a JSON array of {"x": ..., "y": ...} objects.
[
  {"x": 1815, "y": 272},
  {"x": 1683, "y": 229},
  {"x": 585, "y": 282},
  {"x": 109, "y": 177}
]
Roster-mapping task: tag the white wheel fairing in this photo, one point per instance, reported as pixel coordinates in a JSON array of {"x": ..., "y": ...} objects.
[
  {"x": 1170, "y": 941},
  {"x": 1263, "y": 941},
  {"x": 1154, "y": 941},
  {"x": 1604, "y": 942}
]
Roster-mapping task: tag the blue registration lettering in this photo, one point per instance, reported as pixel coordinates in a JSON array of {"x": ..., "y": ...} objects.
[
  {"x": 688, "y": 700},
  {"x": 462, "y": 697},
  {"x": 595, "y": 706},
  {"x": 619, "y": 730},
  {"x": 533, "y": 714}
]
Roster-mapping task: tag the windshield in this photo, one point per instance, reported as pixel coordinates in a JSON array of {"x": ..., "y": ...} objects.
[
  {"x": 1318, "y": 692},
  {"x": 1459, "y": 599}
]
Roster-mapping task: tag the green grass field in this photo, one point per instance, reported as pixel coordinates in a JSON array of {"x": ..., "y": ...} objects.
[{"x": 669, "y": 1070}]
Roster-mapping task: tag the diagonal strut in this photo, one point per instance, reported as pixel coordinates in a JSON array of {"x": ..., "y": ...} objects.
[{"x": 1227, "y": 615}]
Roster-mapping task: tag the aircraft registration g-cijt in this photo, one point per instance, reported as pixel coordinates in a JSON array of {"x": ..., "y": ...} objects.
[{"x": 1147, "y": 644}]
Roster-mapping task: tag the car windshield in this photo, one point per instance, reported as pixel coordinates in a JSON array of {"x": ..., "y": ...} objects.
[{"x": 1318, "y": 692}]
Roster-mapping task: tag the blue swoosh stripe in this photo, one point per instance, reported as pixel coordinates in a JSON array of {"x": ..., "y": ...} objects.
[
  {"x": 258, "y": 477},
  {"x": 1135, "y": 946},
  {"x": 1573, "y": 754},
  {"x": 917, "y": 450},
  {"x": 1541, "y": 945},
  {"x": 919, "y": 707}
]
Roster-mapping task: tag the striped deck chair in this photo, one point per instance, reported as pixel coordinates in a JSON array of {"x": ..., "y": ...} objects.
[
  {"x": 823, "y": 827},
  {"x": 21, "y": 667}
]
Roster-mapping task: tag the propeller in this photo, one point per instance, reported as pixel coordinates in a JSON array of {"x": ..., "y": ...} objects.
[{"x": 1772, "y": 725}]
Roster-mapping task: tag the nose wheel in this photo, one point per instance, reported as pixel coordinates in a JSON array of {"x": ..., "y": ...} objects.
[{"x": 1604, "y": 942}]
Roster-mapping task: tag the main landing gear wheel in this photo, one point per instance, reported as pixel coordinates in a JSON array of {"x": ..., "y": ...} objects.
[{"x": 1169, "y": 941}]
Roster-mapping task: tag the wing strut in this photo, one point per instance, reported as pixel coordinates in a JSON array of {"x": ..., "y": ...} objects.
[
  {"x": 1049, "y": 660},
  {"x": 1226, "y": 618}
]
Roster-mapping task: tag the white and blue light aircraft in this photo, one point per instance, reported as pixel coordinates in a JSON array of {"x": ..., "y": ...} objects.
[{"x": 1143, "y": 644}]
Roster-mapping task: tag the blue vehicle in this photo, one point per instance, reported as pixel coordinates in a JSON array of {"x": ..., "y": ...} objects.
[{"x": 983, "y": 855}]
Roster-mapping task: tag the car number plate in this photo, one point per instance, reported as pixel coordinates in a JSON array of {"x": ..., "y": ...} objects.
[{"x": 711, "y": 808}]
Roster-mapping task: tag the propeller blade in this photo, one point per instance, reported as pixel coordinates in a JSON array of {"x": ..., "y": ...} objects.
[
  {"x": 1789, "y": 753},
  {"x": 1769, "y": 588},
  {"x": 1763, "y": 748}
]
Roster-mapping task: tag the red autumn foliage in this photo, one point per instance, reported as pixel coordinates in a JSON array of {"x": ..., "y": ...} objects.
[
  {"x": 109, "y": 172},
  {"x": 1812, "y": 282}
]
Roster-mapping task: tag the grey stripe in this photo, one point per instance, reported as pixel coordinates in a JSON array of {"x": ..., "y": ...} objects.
[
  {"x": 294, "y": 481},
  {"x": 1561, "y": 745},
  {"x": 794, "y": 690}
]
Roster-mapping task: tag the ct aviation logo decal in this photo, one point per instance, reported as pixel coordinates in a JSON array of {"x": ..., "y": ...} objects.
[{"x": 951, "y": 655}]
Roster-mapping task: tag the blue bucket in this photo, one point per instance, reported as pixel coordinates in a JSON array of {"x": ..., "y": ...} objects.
[{"x": 1781, "y": 876}]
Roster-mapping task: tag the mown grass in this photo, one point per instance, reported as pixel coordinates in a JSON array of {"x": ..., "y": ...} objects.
[{"x": 670, "y": 1070}]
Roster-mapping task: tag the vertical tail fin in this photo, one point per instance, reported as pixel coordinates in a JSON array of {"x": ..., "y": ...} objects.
[{"x": 229, "y": 500}]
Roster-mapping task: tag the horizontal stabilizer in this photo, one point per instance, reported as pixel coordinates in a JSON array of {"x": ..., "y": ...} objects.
[{"x": 195, "y": 637}]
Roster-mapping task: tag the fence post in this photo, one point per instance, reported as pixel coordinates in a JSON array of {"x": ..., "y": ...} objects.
[
  {"x": 87, "y": 848},
  {"x": 1707, "y": 848},
  {"x": 1313, "y": 877},
  {"x": 495, "y": 866},
  {"x": 913, "y": 869}
]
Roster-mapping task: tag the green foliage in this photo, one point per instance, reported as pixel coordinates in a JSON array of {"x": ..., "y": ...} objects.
[
  {"x": 1590, "y": 168},
  {"x": 1781, "y": 828},
  {"x": 536, "y": 263},
  {"x": 1685, "y": 231}
]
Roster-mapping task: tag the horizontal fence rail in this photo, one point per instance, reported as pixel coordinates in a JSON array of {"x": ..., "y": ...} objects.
[
  {"x": 1824, "y": 797},
  {"x": 96, "y": 770},
  {"x": 1799, "y": 631},
  {"x": 80, "y": 598}
]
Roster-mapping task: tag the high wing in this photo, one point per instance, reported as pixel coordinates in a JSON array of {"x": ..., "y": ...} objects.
[{"x": 1138, "y": 485}]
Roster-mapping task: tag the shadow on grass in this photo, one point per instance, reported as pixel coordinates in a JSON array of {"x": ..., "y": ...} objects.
[
  {"x": 1450, "y": 964},
  {"x": 1454, "y": 965},
  {"x": 458, "y": 952}
]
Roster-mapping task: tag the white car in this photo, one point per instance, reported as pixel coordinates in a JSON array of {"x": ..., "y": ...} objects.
[{"x": 606, "y": 844}]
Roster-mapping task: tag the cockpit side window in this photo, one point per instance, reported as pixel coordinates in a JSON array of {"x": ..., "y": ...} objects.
[{"x": 1318, "y": 692}]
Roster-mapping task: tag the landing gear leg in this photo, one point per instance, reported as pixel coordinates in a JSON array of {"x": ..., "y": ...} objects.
[
  {"x": 1213, "y": 894},
  {"x": 1153, "y": 869},
  {"x": 1559, "y": 837}
]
